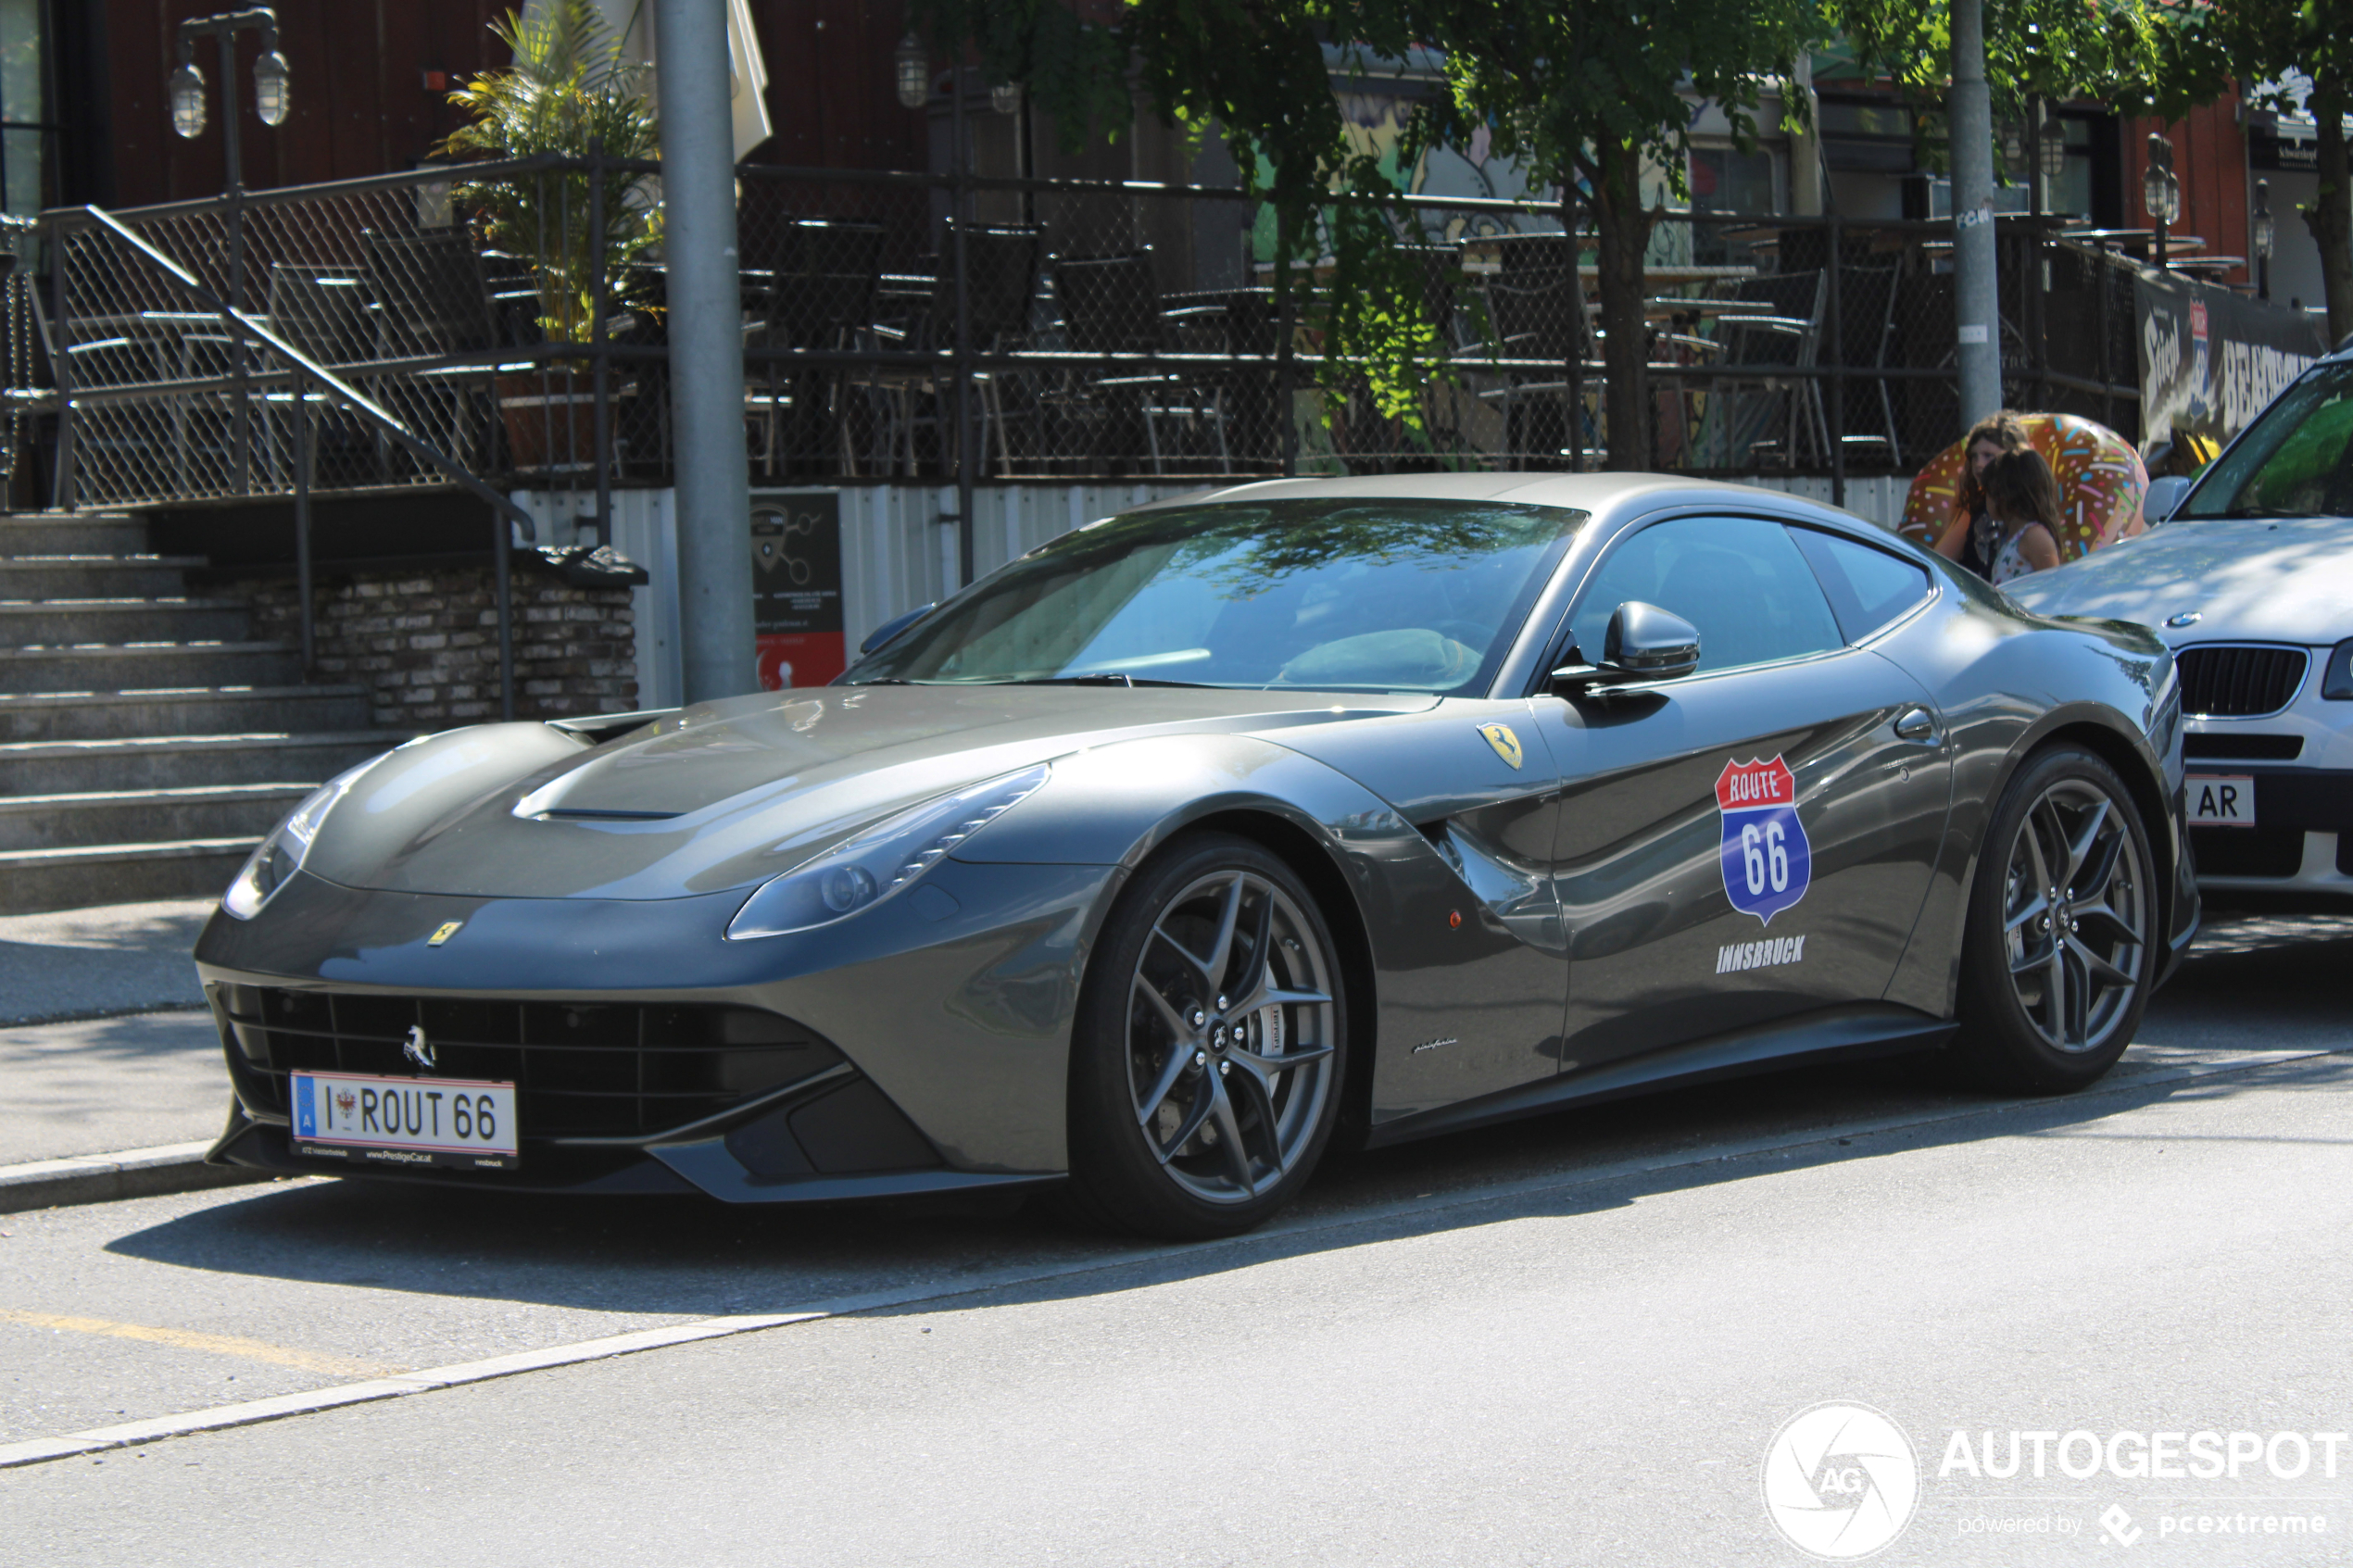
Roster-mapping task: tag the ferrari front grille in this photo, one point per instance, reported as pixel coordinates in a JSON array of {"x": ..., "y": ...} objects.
[
  {"x": 2239, "y": 681},
  {"x": 586, "y": 1069}
]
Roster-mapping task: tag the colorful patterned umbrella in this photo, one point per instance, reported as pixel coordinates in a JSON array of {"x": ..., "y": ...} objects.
[{"x": 2101, "y": 482}]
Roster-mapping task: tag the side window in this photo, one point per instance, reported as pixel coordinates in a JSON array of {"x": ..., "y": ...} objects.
[
  {"x": 1867, "y": 588},
  {"x": 1739, "y": 580}
]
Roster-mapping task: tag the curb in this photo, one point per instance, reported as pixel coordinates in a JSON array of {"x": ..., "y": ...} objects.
[{"x": 131, "y": 1173}]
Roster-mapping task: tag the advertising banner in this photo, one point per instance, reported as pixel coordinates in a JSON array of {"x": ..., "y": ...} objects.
[
  {"x": 2209, "y": 358},
  {"x": 796, "y": 587}
]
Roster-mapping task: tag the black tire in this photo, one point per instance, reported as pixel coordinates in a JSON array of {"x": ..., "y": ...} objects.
[
  {"x": 2063, "y": 932},
  {"x": 1195, "y": 1110}
]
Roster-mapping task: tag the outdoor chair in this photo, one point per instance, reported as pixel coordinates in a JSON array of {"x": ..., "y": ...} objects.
[
  {"x": 1537, "y": 313},
  {"x": 1110, "y": 305},
  {"x": 118, "y": 443},
  {"x": 429, "y": 299},
  {"x": 823, "y": 274},
  {"x": 1784, "y": 331},
  {"x": 1000, "y": 288},
  {"x": 1867, "y": 316}
]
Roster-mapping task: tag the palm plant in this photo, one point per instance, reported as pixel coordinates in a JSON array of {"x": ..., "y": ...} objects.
[{"x": 570, "y": 92}]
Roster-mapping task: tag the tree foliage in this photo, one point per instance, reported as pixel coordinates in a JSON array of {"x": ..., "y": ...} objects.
[
  {"x": 1584, "y": 94},
  {"x": 2204, "y": 47},
  {"x": 1255, "y": 72},
  {"x": 2104, "y": 49},
  {"x": 568, "y": 92}
]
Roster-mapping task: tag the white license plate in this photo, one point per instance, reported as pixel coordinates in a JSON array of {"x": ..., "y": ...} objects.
[
  {"x": 2221, "y": 800},
  {"x": 461, "y": 1122}
]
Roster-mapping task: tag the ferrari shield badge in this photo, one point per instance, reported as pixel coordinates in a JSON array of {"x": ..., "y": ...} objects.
[
  {"x": 1506, "y": 744},
  {"x": 1768, "y": 862}
]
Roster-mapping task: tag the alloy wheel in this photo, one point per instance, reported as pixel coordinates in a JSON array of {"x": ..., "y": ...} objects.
[
  {"x": 2075, "y": 916},
  {"x": 1230, "y": 1047}
]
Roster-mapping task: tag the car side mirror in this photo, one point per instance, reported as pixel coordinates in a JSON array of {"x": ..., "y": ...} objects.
[
  {"x": 1643, "y": 643},
  {"x": 887, "y": 632},
  {"x": 2163, "y": 499}
]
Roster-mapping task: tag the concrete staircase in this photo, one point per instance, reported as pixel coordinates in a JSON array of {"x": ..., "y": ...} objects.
[{"x": 146, "y": 741}]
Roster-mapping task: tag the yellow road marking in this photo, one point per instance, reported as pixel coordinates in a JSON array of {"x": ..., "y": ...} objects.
[{"x": 218, "y": 1344}]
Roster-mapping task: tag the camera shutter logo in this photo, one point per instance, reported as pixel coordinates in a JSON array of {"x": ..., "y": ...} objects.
[{"x": 1841, "y": 1481}]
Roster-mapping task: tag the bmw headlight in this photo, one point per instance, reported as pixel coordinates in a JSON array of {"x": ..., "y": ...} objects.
[
  {"x": 282, "y": 853},
  {"x": 2336, "y": 676},
  {"x": 887, "y": 858}
]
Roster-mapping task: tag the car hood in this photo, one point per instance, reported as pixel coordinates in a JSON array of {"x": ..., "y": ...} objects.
[
  {"x": 2285, "y": 581},
  {"x": 728, "y": 794}
]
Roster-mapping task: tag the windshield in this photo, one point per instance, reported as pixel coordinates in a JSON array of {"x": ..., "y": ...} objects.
[
  {"x": 2295, "y": 461},
  {"x": 1356, "y": 595}
]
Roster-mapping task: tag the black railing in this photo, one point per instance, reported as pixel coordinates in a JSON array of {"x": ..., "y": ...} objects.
[{"x": 1108, "y": 330}]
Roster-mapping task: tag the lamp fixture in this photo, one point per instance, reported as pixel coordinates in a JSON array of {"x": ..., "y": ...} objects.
[
  {"x": 271, "y": 99},
  {"x": 2153, "y": 178},
  {"x": 911, "y": 63},
  {"x": 2052, "y": 147},
  {"x": 186, "y": 93}
]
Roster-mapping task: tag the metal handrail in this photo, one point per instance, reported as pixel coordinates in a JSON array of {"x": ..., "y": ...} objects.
[{"x": 504, "y": 510}]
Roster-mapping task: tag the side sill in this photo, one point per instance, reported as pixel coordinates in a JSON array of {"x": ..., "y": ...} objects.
[{"x": 1851, "y": 1034}]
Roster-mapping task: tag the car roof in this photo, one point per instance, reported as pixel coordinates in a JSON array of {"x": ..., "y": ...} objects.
[{"x": 1602, "y": 494}]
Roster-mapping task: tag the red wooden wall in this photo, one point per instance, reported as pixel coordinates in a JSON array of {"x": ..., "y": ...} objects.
[
  {"x": 361, "y": 105},
  {"x": 2209, "y": 159}
]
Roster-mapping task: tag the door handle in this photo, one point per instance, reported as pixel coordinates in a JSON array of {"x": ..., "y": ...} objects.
[{"x": 1917, "y": 724}]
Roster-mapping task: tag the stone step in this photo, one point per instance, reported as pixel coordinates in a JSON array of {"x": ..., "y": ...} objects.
[
  {"x": 72, "y": 533},
  {"x": 184, "y": 761},
  {"x": 78, "y": 622},
  {"x": 94, "y": 577},
  {"x": 35, "y": 880},
  {"x": 146, "y": 666},
  {"x": 187, "y": 711},
  {"x": 99, "y": 818}
]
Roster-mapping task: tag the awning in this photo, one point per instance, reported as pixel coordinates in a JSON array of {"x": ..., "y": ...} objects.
[{"x": 632, "y": 23}]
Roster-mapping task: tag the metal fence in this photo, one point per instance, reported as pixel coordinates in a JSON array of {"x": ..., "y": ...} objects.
[{"x": 1062, "y": 330}]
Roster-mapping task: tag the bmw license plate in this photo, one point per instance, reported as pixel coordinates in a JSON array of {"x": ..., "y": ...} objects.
[
  {"x": 461, "y": 1121},
  {"x": 2221, "y": 800}
]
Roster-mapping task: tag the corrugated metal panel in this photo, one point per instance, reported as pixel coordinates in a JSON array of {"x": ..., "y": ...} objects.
[
  {"x": 899, "y": 541},
  {"x": 1879, "y": 496}
]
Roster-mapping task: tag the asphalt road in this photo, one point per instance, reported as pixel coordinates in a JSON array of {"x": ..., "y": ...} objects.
[{"x": 1571, "y": 1341}]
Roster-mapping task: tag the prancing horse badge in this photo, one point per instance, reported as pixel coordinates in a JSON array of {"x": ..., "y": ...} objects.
[
  {"x": 449, "y": 928},
  {"x": 1506, "y": 744}
]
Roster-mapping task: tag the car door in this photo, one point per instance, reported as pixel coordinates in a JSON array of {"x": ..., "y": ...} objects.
[{"x": 1753, "y": 840}]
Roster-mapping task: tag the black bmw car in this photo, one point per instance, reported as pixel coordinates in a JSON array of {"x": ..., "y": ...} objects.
[{"x": 1160, "y": 858}]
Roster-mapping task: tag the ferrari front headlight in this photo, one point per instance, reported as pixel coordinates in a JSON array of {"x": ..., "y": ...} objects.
[
  {"x": 884, "y": 859},
  {"x": 282, "y": 854}
]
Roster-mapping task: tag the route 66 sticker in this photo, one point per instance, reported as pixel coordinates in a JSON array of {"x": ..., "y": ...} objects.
[{"x": 1768, "y": 862}]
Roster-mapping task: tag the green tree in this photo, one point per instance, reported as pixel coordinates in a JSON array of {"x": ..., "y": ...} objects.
[
  {"x": 1252, "y": 71},
  {"x": 2104, "y": 49},
  {"x": 2206, "y": 43},
  {"x": 1585, "y": 92}
]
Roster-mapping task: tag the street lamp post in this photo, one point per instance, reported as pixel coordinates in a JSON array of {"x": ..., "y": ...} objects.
[
  {"x": 271, "y": 98},
  {"x": 2261, "y": 233},
  {"x": 2161, "y": 194},
  {"x": 912, "y": 66}
]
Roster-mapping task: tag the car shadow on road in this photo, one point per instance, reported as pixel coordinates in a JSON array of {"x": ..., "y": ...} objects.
[{"x": 694, "y": 1259}]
